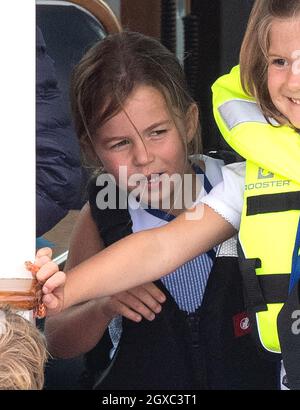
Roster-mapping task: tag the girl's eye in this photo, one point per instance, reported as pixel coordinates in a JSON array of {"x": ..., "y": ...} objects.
[
  {"x": 157, "y": 133},
  {"x": 280, "y": 62},
  {"x": 119, "y": 145}
]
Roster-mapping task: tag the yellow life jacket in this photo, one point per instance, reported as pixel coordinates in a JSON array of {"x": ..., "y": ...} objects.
[{"x": 271, "y": 210}]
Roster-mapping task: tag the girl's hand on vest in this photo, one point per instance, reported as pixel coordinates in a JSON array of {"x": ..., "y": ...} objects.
[
  {"x": 135, "y": 304},
  {"x": 52, "y": 279}
]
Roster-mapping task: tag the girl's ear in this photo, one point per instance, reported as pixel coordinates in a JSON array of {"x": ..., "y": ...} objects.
[{"x": 192, "y": 121}]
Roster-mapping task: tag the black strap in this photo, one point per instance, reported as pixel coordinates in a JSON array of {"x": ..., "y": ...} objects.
[
  {"x": 113, "y": 224},
  {"x": 254, "y": 298},
  {"x": 274, "y": 287},
  {"x": 263, "y": 204},
  {"x": 261, "y": 289}
]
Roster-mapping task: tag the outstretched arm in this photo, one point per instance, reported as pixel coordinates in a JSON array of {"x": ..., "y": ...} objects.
[{"x": 141, "y": 258}]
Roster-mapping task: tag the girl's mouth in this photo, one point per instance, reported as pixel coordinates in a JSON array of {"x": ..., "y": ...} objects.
[
  {"x": 294, "y": 100},
  {"x": 154, "y": 178}
]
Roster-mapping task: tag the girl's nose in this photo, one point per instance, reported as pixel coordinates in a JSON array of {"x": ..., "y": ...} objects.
[
  {"x": 142, "y": 154},
  {"x": 294, "y": 77}
]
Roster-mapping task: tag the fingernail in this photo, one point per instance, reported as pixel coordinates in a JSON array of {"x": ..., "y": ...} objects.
[
  {"x": 152, "y": 317},
  {"x": 45, "y": 290},
  {"x": 158, "y": 309}
]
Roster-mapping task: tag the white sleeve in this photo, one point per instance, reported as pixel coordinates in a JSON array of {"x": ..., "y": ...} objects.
[{"x": 226, "y": 198}]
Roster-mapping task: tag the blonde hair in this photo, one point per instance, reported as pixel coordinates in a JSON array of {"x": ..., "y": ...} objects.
[
  {"x": 23, "y": 353},
  {"x": 255, "y": 47}
]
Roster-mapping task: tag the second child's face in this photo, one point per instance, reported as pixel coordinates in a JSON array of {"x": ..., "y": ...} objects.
[
  {"x": 144, "y": 139},
  {"x": 284, "y": 68}
]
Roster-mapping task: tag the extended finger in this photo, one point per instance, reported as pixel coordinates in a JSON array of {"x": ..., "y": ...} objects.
[
  {"x": 155, "y": 292},
  {"x": 126, "y": 311},
  {"x": 42, "y": 260},
  {"x": 51, "y": 303},
  {"x": 44, "y": 252},
  {"x": 54, "y": 282},
  {"x": 142, "y": 295},
  {"x": 141, "y": 306},
  {"x": 46, "y": 271}
]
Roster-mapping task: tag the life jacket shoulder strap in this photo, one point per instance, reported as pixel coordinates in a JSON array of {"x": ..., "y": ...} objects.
[{"x": 113, "y": 224}]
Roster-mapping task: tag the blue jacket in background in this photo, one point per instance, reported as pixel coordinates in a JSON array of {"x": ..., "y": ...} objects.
[{"x": 58, "y": 168}]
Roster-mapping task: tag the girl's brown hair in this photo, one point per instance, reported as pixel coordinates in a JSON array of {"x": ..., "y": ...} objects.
[
  {"x": 109, "y": 72},
  {"x": 255, "y": 47}
]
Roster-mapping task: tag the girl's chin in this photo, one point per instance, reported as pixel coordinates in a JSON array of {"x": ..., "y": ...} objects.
[{"x": 295, "y": 123}]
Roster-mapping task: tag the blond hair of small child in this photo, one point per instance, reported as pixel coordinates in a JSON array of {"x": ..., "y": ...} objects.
[{"x": 23, "y": 353}]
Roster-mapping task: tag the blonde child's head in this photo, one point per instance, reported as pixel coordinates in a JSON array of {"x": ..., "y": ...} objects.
[
  {"x": 254, "y": 56},
  {"x": 109, "y": 73},
  {"x": 23, "y": 353}
]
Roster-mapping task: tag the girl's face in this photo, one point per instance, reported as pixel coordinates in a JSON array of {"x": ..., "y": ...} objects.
[
  {"x": 144, "y": 139},
  {"x": 284, "y": 68}
]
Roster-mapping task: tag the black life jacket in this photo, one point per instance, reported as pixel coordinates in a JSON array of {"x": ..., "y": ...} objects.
[{"x": 176, "y": 351}]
